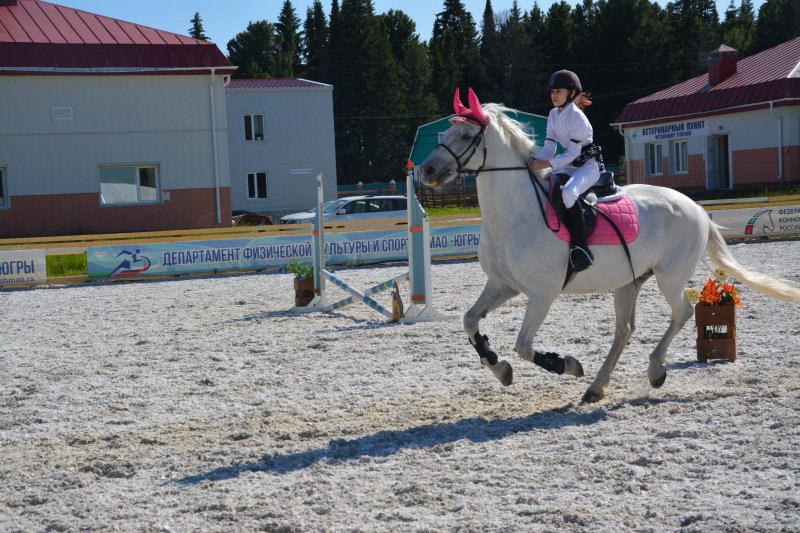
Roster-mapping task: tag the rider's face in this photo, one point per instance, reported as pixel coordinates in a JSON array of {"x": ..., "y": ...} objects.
[{"x": 559, "y": 96}]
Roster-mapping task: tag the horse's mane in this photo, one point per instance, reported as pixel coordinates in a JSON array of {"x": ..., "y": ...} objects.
[{"x": 511, "y": 129}]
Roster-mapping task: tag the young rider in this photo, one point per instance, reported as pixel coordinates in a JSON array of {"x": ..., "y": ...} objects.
[{"x": 568, "y": 126}]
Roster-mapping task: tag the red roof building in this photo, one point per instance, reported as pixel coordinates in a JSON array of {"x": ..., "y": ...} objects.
[
  {"x": 734, "y": 126},
  {"x": 108, "y": 126},
  {"x": 38, "y": 36},
  {"x": 274, "y": 83}
]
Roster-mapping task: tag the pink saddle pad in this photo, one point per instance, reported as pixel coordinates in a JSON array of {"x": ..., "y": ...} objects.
[{"x": 621, "y": 211}]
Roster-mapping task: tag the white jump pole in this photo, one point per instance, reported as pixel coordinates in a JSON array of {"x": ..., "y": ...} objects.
[{"x": 419, "y": 260}]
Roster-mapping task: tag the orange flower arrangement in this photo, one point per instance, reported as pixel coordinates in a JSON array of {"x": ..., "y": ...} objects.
[{"x": 720, "y": 293}]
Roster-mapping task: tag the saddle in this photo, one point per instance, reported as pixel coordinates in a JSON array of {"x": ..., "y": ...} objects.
[{"x": 605, "y": 196}]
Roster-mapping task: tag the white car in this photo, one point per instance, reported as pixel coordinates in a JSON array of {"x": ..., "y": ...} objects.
[{"x": 354, "y": 208}]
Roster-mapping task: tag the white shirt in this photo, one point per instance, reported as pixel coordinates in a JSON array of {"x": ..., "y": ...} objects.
[{"x": 570, "y": 128}]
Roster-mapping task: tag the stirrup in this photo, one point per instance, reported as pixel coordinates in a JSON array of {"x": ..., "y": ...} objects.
[{"x": 580, "y": 258}]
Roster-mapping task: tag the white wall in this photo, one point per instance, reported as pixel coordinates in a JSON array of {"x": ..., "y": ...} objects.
[
  {"x": 116, "y": 119},
  {"x": 298, "y": 131}
]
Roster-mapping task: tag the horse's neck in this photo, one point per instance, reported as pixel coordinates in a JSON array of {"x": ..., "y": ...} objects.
[{"x": 507, "y": 197}]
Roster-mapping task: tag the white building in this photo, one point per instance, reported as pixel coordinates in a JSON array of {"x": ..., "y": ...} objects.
[
  {"x": 280, "y": 137},
  {"x": 108, "y": 126}
]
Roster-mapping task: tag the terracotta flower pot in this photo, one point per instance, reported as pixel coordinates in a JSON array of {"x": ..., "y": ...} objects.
[
  {"x": 303, "y": 291},
  {"x": 716, "y": 332}
]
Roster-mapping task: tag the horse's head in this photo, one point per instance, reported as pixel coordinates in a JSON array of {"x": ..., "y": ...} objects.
[
  {"x": 458, "y": 150},
  {"x": 463, "y": 148}
]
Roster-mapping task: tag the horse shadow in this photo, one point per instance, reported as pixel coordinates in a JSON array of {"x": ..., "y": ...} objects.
[{"x": 389, "y": 442}]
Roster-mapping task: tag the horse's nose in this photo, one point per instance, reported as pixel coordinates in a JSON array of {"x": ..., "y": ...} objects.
[{"x": 428, "y": 170}]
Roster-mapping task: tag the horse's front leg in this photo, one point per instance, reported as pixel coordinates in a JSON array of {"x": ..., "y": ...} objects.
[
  {"x": 535, "y": 313},
  {"x": 493, "y": 295}
]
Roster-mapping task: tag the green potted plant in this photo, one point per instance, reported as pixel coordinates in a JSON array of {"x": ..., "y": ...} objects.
[{"x": 303, "y": 282}]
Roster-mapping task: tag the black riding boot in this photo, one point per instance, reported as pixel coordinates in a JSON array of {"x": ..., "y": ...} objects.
[{"x": 580, "y": 257}]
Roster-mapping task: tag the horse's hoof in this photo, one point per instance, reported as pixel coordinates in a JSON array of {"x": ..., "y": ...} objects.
[
  {"x": 591, "y": 396},
  {"x": 656, "y": 383},
  {"x": 573, "y": 367},
  {"x": 503, "y": 372}
]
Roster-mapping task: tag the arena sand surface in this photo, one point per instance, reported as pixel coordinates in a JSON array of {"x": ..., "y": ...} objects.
[{"x": 203, "y": 404}]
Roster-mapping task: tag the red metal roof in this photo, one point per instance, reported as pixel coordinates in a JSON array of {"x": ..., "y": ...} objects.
[
  {"x": 771, "y": 75},
  {"x": 40, "y": 36},
  {"x": 274, "y": 83}
]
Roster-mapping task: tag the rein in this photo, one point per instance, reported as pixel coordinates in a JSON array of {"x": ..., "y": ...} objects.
[
  {"x": 473, "y": 146},
  {"x": 538, "y": 188}
]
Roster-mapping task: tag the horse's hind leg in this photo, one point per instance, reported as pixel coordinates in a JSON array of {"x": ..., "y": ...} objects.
[
  {"x": 493, "y": 295},
  {"x": 625, "y": 311}
]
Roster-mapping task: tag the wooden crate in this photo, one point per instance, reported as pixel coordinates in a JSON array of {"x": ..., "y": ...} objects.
[{"x": 716, "y": 332}]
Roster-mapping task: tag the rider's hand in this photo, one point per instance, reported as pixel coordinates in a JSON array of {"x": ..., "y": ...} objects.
[{"x": 536, "y": 165}]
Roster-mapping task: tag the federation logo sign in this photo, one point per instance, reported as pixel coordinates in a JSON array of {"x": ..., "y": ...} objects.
[
  {"x": 131, "y": 264},
  {"x": 767, "y": 224}
]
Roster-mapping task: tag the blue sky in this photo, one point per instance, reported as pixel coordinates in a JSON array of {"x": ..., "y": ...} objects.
[{"x": 222, "y": 20}]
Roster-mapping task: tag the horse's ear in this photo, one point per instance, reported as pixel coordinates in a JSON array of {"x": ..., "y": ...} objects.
[
  {"x": 458, "y": 107},
  {"x": 475, "y": 108}
]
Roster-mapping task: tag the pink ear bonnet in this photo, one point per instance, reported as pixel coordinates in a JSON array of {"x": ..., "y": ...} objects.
[{"x": 473, "y": 113}]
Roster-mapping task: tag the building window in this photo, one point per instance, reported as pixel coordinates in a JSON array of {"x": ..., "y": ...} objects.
[
  {"x": 652, "y": 159},
  {"x": 679, "y": 157},
  {"x": 121, "y": 185},
  {"x": 254, "y": 128},
  {"x": 256, "y": 185},
  {"x": 3, "y": 189}
]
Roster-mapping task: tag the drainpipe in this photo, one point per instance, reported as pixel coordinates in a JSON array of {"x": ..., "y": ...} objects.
[
  {"x": 780, "y": 140},
  {"x": 628, "y": 176},
  {"x": 214, "y": 154}
]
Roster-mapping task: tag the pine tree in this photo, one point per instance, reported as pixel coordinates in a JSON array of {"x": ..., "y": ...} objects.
[
  {"x": 537, "y": 99},
  {"x": 778, "y": 22},
  {"x": 558, "y": 38},
  {"x": 196, "y": 30},
  {"x": 254, "y": 51},
  {"x": 737, "y": 28},
  {"x": 367, "y": 84},
  {"x": 315, "y": 43},
  {"x": 512, "y": 59},
  {"x": 694, "y": 31},
  {"x": 288, "y": 35},
  {"x": 455, "y": 52}
]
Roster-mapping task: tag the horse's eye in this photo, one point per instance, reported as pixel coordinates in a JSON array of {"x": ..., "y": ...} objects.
[{"x": 466, "y": 137}]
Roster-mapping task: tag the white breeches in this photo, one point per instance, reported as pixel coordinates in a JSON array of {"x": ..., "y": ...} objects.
[{"x": 582, "y": 178}]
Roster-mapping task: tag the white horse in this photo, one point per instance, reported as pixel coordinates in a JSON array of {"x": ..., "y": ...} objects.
[{"x": 519, "y": 253}]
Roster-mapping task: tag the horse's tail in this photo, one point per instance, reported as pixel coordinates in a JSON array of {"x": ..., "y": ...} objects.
[{"x": 718, "y": 251}]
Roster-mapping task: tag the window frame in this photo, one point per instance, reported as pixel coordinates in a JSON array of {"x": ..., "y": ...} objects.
[
  {"x": 653, "y": 163},
  {"x": 137, "y": 183},
  {"x": 679, "y": 162},
  {"x": 249, "y": 123},
  {"x": 254, "y": 186}
]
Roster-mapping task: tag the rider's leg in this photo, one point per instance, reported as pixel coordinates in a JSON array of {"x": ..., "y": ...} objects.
[{"x": 584, "y": 177}]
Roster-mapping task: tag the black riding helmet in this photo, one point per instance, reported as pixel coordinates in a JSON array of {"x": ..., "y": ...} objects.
[{"x": 564, "y": 79}]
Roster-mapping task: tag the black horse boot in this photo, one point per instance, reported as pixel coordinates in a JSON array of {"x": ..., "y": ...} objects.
[{"x": 580, "y": 257}]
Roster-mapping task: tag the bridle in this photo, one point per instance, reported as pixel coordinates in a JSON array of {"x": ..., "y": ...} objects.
[{"x": 473, "y": 147}]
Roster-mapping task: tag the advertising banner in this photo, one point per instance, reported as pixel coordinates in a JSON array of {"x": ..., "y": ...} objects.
[
  {"x": 23, "y": 266},
  {"x": 758, "y": 221},
  {"x": 197, "y": 257}
]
